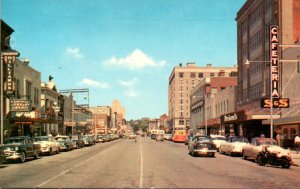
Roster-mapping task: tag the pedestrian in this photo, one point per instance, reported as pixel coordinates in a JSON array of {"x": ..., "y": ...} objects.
[
  {"x": 278, "y": 138},
  {"x": 297, "y": 143}
]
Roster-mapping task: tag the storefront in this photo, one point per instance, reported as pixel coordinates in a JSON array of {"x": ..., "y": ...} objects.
[{"x": 231, "y": 124}]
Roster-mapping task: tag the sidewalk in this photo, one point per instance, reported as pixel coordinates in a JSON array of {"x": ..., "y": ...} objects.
[{"x": 295, "y": 158}]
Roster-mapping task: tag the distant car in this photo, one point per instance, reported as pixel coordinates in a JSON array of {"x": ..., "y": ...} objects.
[
  {"x": 159, "y": 137},
  {"x": 65, "y": 142},
  {"x": 202, "y": 145},
  {"x": 19, "y": 148},
  {"x": 132, "y": 136},
  {"x": 233, "y": 145},
  {"x": 78, "y": 141},
  {"x": 218, "y": 140},
  {"x": 168, "y": 136},
  {"x": 100, "y": 138},
  {"x": 251, "y": 150},
  {"x": 48, "y": 144},
  {"x": 88, "y": 141}
]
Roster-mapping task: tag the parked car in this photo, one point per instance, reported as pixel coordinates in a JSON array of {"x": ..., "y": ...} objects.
[
  {"x": 19, "y": 148},
  {"x": 78, "y": 141},
  {"x": 168, "y": 136},
  {"x": 233, "y": 145},
  {"x": 48, "y": 144},
  {"x": 65, "y": 142},
  {"x": 2, "y": 156},
  {"x": 202, "y": 145},
  {"x": 100, "y": 138},
  {"x": 218, "y": 140},
  {"x": 159, "y": 137},
  {"x": 88, "y": 141},
  {"x": 256, "y": 146}
]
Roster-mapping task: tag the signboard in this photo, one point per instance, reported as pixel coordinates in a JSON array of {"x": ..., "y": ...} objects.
[
  {"x": 274, "y": 71},
  {"x": 277, "y": 103},
  {"x": 20, "y": 105},
  {"x": 233, "y": 117}
]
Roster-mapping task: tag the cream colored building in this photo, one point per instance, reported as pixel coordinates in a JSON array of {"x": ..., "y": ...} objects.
[
  {"x": 101, "y": 118},
  {"x": 181, "y": 81},
  {"x": 117, "y": 114}
]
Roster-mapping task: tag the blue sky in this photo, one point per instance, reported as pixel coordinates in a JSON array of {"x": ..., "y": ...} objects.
[{"x": 122, "y": 49}]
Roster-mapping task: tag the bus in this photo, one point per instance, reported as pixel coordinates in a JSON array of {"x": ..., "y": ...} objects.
[
  {"x": 179, "y": 134},
  {"x": 155, "y": 132}
]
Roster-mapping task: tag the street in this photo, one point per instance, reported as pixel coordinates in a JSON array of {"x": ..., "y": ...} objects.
[{"x": 145, "y": 164}]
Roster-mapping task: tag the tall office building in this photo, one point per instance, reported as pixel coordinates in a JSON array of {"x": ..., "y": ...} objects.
[
  {"x": 253, "y": 44},
  {"x": 181, "y": 81}
]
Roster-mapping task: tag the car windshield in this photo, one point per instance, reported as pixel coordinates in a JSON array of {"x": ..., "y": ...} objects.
[
  {"x": 61, "y": 138},
  {"x": 198, "y": 139},
  {"x": 240, "y": 140},
  {"x": 267, "y": 142},
  {"x": 14, "y": 141},
  {"x": 219, "y": 138},
  {"x": 42, "y": 139}
]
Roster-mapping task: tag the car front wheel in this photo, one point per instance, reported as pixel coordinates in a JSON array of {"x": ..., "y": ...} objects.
[{"x": 23, "y": 157}]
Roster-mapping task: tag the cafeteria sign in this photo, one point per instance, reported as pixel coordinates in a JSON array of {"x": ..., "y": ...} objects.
[{"x": 20, "y": 105}]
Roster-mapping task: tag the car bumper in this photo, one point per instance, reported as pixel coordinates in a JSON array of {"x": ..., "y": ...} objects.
[
  {"x": 11, "y": 155},
  {"x": 204, "y": 151}
]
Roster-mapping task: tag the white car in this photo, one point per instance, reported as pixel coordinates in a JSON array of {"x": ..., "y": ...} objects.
[
  {"x": 218, "y": 140},
  {"x": 233, "y": 145},
  {"x": 251, "y": 150},
  {"x": 48, "y": 144}
]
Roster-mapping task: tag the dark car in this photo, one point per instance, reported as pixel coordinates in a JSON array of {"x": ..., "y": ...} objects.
[
  {"x": 88, "y": 140},
  {"x": 65, "y": 142},
  {"x": 19, "y": 148},
  {"x": 78, "y": 140},
  {"x": 202, "y": 145}
]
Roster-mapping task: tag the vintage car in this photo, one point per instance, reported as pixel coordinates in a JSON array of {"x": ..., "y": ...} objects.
[
  {"x": 19, "y": 148},
  {"x": 65, "y": 142},
  {"x": 88, "y": 141},
  {"x": 252, "y": 150},
  {"x": 202, "y": 145},
  {"x": 218, "y": 140},
  {"x": 48, "y": 144},
  {"x": 233, "y": 145},
  {"x": 2, "y": 156},
  {"x": 168, "y": 136},
  {"x": 132, "y": 136},
  {"x": 159, "y": 137},
  {"x": 77, "y": 141},
  {"x": 100, "y": 138}
]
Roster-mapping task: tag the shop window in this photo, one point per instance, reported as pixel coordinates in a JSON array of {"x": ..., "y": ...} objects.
[{"x": 293, "y": 133}]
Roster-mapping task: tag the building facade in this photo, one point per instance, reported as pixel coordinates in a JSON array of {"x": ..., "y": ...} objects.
[
  {"x": 101, "y": 118},
  {"x": 253, "y": 44},
  {"x": 211, "y": 98},
  {"x": 181, "y": 81}
]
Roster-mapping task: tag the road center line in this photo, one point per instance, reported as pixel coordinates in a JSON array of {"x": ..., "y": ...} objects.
[{"x": 141, "y": 173}]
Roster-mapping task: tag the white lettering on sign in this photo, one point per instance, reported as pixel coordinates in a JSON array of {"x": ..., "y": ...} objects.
[
  {"x": 230, "y": 117},
  {"x": 274, "y": 72}
]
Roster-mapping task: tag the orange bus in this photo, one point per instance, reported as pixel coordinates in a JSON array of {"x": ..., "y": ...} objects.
[{"x": 179, "y": 134}]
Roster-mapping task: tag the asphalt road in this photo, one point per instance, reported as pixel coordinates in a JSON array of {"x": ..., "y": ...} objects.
[{"x": 145, "y": 164}]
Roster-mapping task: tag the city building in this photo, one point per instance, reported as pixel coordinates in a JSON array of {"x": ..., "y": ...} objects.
[
  {"x": 83, "y": 119},
  {"x": 49, "y": 107},
  {"x": 68, "y": 113},
  {"x": 211, "y": 98},
  {"x": 101, "y": 118},
  {"x": 163, "y": 123},
  {"x": 181, "y": 81},
  {"x": 153, "y": 124},
  {"x": 117, "y": 115},
  {"x": 254, "y": 48}
]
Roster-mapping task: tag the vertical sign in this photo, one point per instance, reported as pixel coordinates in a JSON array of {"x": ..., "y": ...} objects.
[
  {"x": 274, "y": 74},
  {"x": 9, "y": 58}
]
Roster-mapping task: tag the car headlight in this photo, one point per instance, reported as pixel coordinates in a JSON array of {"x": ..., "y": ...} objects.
[{"x": 16, "y": 148}]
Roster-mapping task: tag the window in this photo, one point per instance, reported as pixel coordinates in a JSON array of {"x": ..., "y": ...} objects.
[
  {"x": 200, "y": 75},
  {"x": 193, "y": 75},
  {"x": 181, "y": 122},
  {"x": 212, "y": 74},
  {"x": 181, "y": 75},
  {"x": 28, "y": 89}
]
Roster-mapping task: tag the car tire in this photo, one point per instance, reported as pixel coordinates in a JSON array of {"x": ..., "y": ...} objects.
[
  {"x": 36, "y": 155},
  {"x": 23, "y": 157},
  {"x": 50, "y": 152},
  {"x": 260, "y": 160},
  {"x": 243, "y": 154}
]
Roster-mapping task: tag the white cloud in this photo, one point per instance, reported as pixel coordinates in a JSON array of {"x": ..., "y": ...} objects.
[
  {"x": 93, "y": 83},
  {"x": 135, "y": 61},
  {"x": 74, "y": 53},
  {"x": 132, "y": 93},
  {"x": 130, "y": 83}
]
